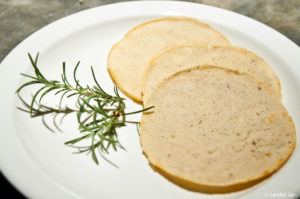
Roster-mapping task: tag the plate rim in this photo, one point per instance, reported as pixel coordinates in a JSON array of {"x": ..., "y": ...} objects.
[{"x": 54, "y": 188}]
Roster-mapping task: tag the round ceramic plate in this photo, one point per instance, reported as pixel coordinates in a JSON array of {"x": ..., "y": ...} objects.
[{"x": 38, "y": 163}]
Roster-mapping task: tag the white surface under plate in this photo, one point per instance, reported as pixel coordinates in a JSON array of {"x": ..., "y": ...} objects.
[{"x": 38, "y": 163}]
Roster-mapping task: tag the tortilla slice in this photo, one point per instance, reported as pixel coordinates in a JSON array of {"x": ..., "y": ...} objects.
[
  {"x": 183, "y": 57},
  {"x": 129, "y": 58},
  {"x": 216, "y": 130}
]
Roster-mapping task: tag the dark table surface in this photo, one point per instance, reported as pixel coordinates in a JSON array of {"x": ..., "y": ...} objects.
[{"x": 20, "y": 18}]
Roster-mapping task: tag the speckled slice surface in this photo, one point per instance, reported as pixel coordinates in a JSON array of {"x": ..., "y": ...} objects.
[
  {"x": 183, "y": 57},
  {"x": 129, "y": 58},
  {"x": 215, "y": 129}
]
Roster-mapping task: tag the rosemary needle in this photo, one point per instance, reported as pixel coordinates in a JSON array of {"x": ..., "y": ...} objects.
[{"x": 99, "y": 114}]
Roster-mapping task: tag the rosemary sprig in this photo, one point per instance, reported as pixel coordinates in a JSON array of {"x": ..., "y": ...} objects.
[{"x": 99, "y": 114}]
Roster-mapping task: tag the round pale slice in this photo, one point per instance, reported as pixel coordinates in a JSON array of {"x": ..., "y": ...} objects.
[
  {"x": 183, "y": 57},
  {"x": 215, "y": 130},
  {"x": 129, "y": 58}
]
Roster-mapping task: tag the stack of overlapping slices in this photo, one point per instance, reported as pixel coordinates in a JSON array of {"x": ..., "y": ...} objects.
[{"x": 218, "y": 124}]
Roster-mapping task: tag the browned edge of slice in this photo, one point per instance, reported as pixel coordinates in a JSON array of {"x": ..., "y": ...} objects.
[
  {"x": 244, "y": 50},
  {"x": 113, "y": 76},
  {"x": 212, "y": 189}
]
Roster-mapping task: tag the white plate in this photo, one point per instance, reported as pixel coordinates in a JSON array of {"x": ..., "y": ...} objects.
[{"x": 37, "y": 162}]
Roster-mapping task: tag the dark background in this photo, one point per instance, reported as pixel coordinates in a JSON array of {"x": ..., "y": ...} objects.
[{"x": 8, "y": 189}]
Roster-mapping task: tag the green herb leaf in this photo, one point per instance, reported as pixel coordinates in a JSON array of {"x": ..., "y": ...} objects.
[{"x": 98, "y": 113}]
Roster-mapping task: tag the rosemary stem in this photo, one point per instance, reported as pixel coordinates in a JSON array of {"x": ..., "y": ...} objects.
[{"x": 99, "y": 114}]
